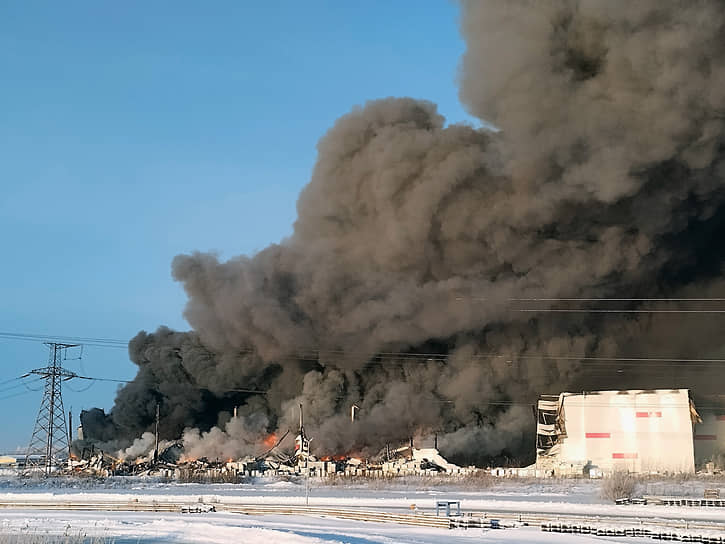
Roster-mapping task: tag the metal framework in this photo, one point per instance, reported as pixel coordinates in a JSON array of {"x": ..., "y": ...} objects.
[{"x": 51, "y": 437}]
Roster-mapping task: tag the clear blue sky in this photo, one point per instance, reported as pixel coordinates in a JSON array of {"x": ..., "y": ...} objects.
[{"x": 134, "y": 131}]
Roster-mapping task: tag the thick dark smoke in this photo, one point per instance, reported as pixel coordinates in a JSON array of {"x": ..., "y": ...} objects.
[{"x": 605, "y": 179}]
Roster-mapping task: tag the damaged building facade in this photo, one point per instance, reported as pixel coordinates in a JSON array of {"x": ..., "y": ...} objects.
[
  {"x": 638, "y": 431},
  {"x": 710, "y": 438}
]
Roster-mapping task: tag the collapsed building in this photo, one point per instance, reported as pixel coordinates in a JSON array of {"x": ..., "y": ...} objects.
[
  {"x": 404, "y": 461},
  {"x": 439, "y": 276},
  {"x": 150, "y": 457},
  {"x": 639, "y": 431},
  {"x": 592, "y": 433},
  {"x": 170, "y": 463}
]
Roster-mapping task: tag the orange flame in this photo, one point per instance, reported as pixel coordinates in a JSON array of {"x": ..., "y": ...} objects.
[
  {"x": 334, "y": 458},
  {"x": 270, "y": 441}
]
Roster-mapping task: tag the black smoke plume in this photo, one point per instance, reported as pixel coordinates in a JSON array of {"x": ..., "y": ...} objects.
[{"x": 400, "y": 289}]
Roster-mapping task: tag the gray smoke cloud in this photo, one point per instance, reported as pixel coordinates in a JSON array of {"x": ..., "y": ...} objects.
[{"x": 605, "y": 179}]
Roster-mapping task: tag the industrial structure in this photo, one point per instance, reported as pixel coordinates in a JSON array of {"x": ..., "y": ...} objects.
[
  {"x": 302, "y": 444},
  {"x": 50, "y": 442},
  {"x": 639, "y": 431}
]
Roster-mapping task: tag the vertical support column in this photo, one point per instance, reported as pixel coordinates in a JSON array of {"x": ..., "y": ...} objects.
[
  {"x": 52, "y": 376},
  {"x": 156, "y": 447}
]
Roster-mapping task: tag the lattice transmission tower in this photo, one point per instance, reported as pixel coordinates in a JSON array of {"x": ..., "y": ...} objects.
[{"x": 51, "y": 436}]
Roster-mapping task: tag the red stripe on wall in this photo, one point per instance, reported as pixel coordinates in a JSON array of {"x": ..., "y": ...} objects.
[
  {"x": 598, "y": 435},
  {"x": 624, "y": 456},
  {"x": 705, "y": 437},
  {"x": 649, "y": 414},
  {"x": 721, "y": 418}
]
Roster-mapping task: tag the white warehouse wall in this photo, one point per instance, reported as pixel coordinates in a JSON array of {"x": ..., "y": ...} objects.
[{"x": 634, "y": 430}]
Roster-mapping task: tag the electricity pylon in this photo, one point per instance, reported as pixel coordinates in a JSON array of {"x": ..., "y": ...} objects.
[{"x": 51, "y": 436}]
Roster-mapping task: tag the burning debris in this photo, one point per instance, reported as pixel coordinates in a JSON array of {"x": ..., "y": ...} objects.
[
  {"x": 417, "y": 243},
  {"x": 170, "y": 459},
  {"x": 403, "y": 461},
  {"x": 409, "y": 460}
]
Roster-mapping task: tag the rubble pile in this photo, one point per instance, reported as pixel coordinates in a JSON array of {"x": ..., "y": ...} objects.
[{"x": 170, "y": 463}]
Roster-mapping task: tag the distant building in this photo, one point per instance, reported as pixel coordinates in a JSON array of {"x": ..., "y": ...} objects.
[
  {"x": 8, "y": 461},
  {"x": 640, "y": 431}
]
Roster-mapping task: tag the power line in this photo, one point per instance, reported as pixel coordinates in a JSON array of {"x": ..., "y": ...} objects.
[
  {"x": 123, "y": 344},
  {"x": 11, "y": 380},
  {"x": 83, "y": 389},
  {"x": 43, "y": 336},
  {"x": 16, "y": 395},
  {"x": 113, "y": 380},
  {"x": 232, "y": 390},
  {"x": 396, "y": 356},
  {"x": 618, "y": 311},
  {"x": 386, "y": 358},
  {"x": 602, "y": 299},
  {"x": 392, "y": 359},
  {"x": 33, "y": 337},
  {"x": 609, "y": 310},
  {"x": 316, "y": 354},
  {"x": 19, "y": 385},
  {"x": 439, "y": 357},
  {"x": 503, "y": 403}
]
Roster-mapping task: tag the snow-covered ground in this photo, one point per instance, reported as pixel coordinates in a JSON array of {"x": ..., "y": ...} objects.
[
  {"x": 553, "y": 496},
  {"x": 565, "y": 497},
  {"x": 221, "y": 528}
]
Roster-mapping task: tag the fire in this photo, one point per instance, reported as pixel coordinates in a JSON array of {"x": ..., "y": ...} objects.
[
  {"x": 270, "y": 441},
  {"x": 334, "y": 458}
]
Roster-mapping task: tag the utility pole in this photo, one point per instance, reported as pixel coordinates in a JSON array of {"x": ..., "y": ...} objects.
[
  {"x": 302, "y": 424},
  {"x": 536, "y": 441},
  {"x": 70, "y": 431},
  {"x": 50, "y": 438},
  {"x": 156, "y": 448}
]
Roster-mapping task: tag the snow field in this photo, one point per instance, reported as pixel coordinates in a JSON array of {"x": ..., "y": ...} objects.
[
  {"x": 565, "y": 498},
  {"x": 221, "y": 528}
]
